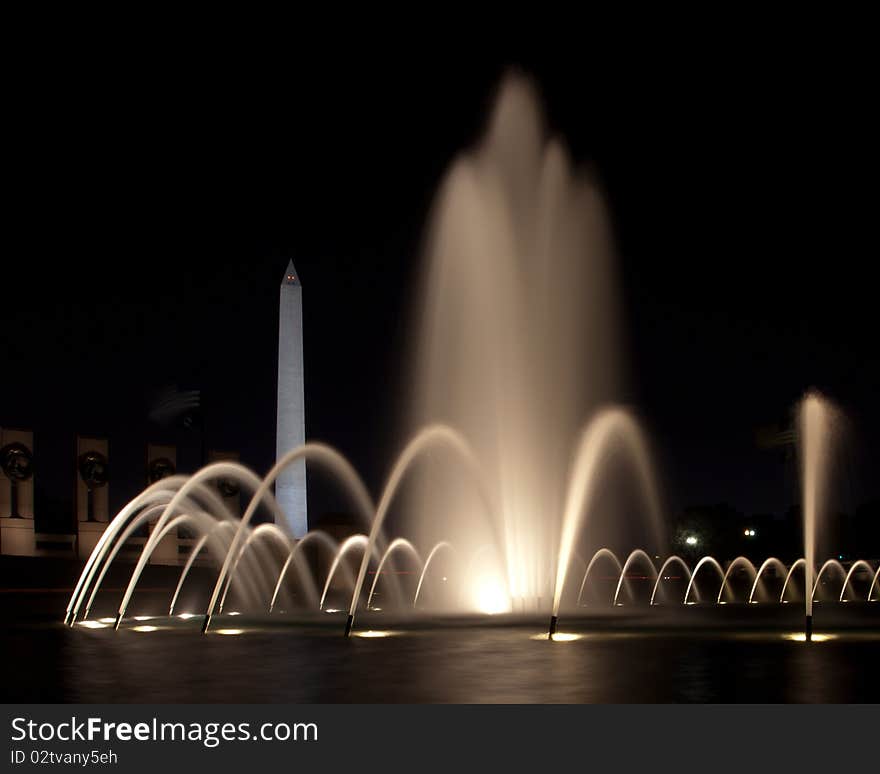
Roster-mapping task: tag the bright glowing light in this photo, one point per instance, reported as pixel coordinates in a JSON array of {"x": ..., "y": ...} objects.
[
  {"x": 372, "y": 633},
  {"x": 235, "y": 613},
  {"x": 107, "y": 620},
  {"x": 145, "y": 628},
  {"x": 187, "y": 616},
  {"x": 144, "y": 617},
  {"x": 332, "y": 610},
  {"x": 558, "y": 637},
  {"x": 490, "y": 597},
  {"x": 801, "y": 637},
  {"x": 229, "y": 632},
  {"x": 94, "y": 624},
  {"x": 691, "y": 540}
]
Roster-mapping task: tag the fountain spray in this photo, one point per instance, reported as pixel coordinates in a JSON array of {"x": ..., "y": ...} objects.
[
  {"x": 815, "y": 439},
  {"x": 610, "y": 429}
]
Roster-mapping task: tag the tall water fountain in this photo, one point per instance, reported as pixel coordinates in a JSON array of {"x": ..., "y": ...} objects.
[
  {"x": 815, "y": 430},
  {"x": 518, "y": 346}
]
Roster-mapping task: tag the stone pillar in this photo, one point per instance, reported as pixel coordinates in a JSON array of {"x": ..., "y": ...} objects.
[
  {"x": 92, "y": 493},
  {"x": 17, "y": 493},
  {"x": 226, "y": 488},
  {"x": 161, "y": 463}
]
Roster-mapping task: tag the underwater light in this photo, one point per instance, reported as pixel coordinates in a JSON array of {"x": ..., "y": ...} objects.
[
  {"x": 93, "y": 624},
  {"x": 372, "y": 634},
  {"x": 145, "y": 628},
  {"x": 801, "y": 637},
  {"x": 558, "y": 637},
  {"x": 490, "y": 597}
]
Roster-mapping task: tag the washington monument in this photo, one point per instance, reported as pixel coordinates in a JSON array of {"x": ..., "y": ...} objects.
[{"x": 290, "y": 487}]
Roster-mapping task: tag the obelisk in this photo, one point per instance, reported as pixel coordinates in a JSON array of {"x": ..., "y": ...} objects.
[{"x": 290, "y": 487}]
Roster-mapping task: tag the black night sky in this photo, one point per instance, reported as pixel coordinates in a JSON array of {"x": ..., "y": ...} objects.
[{"x": 154, "y": 210}]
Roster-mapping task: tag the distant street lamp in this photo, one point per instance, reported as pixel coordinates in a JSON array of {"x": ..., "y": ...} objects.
[{"x": 691, "y": 540}]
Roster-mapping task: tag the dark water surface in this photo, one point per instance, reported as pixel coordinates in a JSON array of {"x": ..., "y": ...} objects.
[{"x": 713, "y": 655}]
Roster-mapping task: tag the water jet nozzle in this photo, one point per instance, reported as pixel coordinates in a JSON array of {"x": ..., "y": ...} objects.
[
  {"x": 206, "y": 623},
  {"x": 348, "y": 624},
  {"x": 808, "y": 628},
  {"x": 552, "y": 630},
  {"x": 117, "y": 622}
]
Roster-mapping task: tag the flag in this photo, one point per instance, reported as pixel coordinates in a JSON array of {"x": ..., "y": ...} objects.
[{"x": 174, "y": 407}]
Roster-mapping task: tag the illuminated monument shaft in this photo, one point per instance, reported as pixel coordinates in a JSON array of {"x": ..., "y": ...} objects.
[{"x": 290, "y": 488}]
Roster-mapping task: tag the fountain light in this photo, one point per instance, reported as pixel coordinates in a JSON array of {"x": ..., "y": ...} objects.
[
  {"x": 490, "y": 596},
  {"x": 558, "y": 637},
  {"x": 802, "y": 637},
  {"x": 93, "y": 624},
  {"x": 373, "y": 634},
  {"x": 145, "y": 628},
  {"x": 229, "y": 632},
  {"x": 691, "y": 540},
  {"x": 143, "y": 617},
  {"x": 187, "y": 616},
  {"x": 235, "y": 612},
  {"x": 565, "y": 637},
  {"x": 332, "y": 610},
  {"x": 107, "y": 620}
]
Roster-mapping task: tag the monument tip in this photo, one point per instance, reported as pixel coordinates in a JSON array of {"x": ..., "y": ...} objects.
[{"x": 290, "y": 276}]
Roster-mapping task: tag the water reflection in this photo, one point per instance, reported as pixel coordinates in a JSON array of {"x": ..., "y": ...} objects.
[{"x": 457, "y": 665}]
